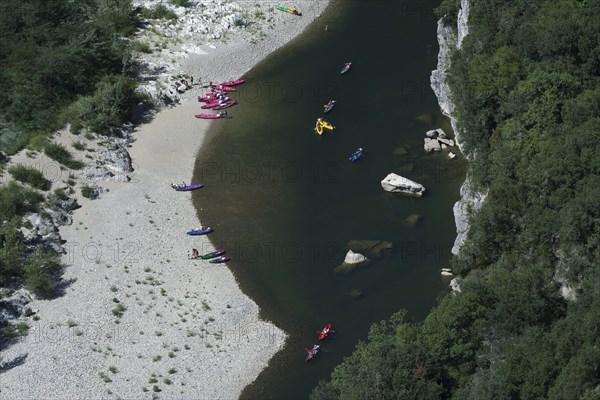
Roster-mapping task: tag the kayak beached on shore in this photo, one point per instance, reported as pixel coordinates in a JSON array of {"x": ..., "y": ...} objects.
[{"x": 289, "y": 10}]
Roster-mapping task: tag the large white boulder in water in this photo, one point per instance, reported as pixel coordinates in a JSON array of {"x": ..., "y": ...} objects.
[
  {"x": 354, "y": 258},
  {"x": 351, "y": 261},
  {"x": 399, "y": 184}
]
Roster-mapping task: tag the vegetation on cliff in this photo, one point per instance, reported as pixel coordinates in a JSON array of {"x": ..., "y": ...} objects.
[{"x": 526, "y": 88}]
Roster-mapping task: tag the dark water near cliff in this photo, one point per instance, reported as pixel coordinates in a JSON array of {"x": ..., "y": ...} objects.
[{"x": 285, "y": 202}]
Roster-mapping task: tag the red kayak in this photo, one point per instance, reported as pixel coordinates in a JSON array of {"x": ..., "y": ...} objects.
[
  {"x": 324, "y": 333},
  {"x": 228, "y": 104},
  {"x": 209, "y": 97},
  {"x": 211, "y": 116},
  {"x": 224, "y": 88},
  {"x": 233, "y": 83},
  {"x": 312, "y": 353},
  {"x": 212, "y": 104}
]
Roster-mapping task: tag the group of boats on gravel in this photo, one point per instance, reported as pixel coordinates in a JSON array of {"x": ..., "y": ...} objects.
[
  {"x": 215, "y": 257},
  {"x": 217, "y": 99}
]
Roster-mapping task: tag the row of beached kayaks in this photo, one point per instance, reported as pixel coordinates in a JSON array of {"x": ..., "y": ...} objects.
[
  {"x": 217, "y": 99},
  {"x": 214, "y": 257}
]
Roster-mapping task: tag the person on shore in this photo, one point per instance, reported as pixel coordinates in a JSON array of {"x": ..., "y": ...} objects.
[{"x": 195, "y": 253}]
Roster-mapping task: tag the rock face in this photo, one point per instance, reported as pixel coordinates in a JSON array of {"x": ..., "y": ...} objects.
[
  {"x": 470, "y": 201},
  {"x": 399, "y": 184},
  {"x": 455, "y": 285}
]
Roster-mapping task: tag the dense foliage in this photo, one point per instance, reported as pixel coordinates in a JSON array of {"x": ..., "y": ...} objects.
[
  {"x": 53, "y": 52},
  {"x": 62, "y": 62},
  {"x": 526, "y": 87}
]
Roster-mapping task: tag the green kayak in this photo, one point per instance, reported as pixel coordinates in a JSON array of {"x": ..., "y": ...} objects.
[{"x": 288, "y": 10}]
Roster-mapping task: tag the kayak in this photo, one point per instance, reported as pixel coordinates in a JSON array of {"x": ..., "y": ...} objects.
[
  {"x": 356, "y": 155},
  {"x": 212, "y": 254},
  {"x": 224, "y": 88},
  {"x": 329, "y": 105},
  {"x": 289, "y": 10},
  {"x": 219, "y": 260},
  {"x": 325, "y": 332},
  {"x": 346, "y": 68},
  {"x": 321, "y": 123},
  {"x": 188, "y": 188},
  {"x": 225, "y": 105},
  {"x": 233, "y": 83},
  {"x": 312, "y": 353},
  {"x": 195, "y": 232},
  {"x": 210, "y": 98},
  {"x": 210, "y": 116},
  {"x": 212, "y": 104}
]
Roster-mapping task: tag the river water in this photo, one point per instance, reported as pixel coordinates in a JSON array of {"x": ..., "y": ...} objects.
[{"x": 285, "y": 202}]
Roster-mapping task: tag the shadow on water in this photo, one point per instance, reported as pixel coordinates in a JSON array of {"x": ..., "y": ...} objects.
[{"x": 286, "y": 202}]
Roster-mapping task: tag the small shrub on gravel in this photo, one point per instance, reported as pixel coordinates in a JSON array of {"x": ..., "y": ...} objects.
[{"x": 31, "y": 176}]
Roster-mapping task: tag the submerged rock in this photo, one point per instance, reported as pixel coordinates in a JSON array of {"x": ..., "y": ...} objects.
[
  {"x": 413, "y": 219},
  {"x": 399, "y": 184},
  {"x": 400, "y": 151},
  {"x": 373, "y": 248},
  {"x": 425, "y": 118}
]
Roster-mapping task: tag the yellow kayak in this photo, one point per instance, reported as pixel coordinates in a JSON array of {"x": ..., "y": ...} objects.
[
  {"x": 319, "y": 128},
  {"x": 325, "y": 124},
  {"x": 321, "y": 123}
]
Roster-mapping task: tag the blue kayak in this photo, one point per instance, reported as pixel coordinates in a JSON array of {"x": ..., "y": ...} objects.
[
  {"x": 356, "y": 155},
  {"x": 180, "y": 188},
  {"x": 219, "y": 260},
  {"x": 200, "y": 231}
]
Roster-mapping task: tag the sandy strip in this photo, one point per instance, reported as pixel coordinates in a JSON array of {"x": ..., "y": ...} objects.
[{"x": 186, "y": 331}]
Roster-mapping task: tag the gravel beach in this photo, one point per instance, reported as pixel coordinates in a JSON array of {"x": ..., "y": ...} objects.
[{"x": 138, "y": 318}]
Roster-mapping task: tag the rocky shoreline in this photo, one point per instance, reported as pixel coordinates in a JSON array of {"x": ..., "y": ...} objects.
[{"x": 471, "y": 200}]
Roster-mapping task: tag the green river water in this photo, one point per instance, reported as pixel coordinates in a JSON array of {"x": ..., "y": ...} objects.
[{"x": 285, "y": 202}]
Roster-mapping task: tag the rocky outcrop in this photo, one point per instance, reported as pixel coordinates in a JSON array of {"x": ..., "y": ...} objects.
[
  {"x": 15, "y": 307},
  {"x": 436, "y": 141},
  {"x": 399, "y": 184},
  {"x": 455, "y": 285},
  {"x": 197, "y": 24},
  {"x": 43, "y": 230},
  {"x": 351, "y": 261},
  {"x": 113, "y": 163},
  {"x": 471, "y": 200},
  {"x": 462, "y": 26}
]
